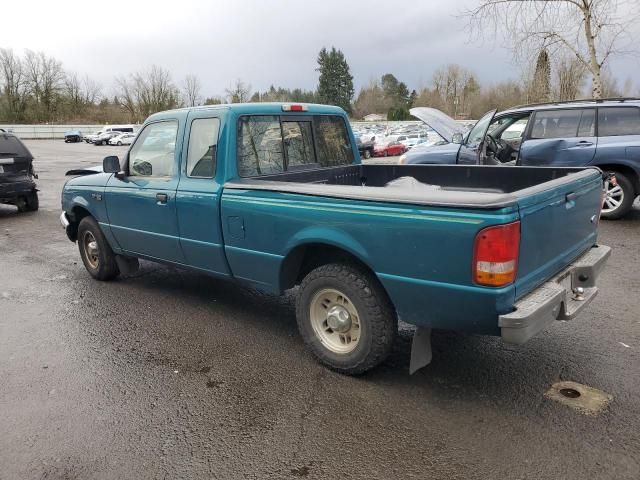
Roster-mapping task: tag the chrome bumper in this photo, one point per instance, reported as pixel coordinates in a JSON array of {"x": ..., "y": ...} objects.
[
  {"x": 64, "y": 220},
  {"x": 561, "y": 298}
]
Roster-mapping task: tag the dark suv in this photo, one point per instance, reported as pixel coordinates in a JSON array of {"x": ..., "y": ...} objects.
[{"x": 604, "y": 133}]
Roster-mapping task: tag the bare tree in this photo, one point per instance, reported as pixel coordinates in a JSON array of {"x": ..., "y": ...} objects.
[
  {"x": 454, "y": 84},
  {"x": 569, "y": 78},
  {"x": 144, "y": 93},
  {"x": 90, "y": 90},
  {"x": 45, "y": 78},
  {"x": 592, "y": 30},
  {"x": 239, "y": 92},
  {"x": 191, "y": 90},
  {"x": 13, "y": 82}
]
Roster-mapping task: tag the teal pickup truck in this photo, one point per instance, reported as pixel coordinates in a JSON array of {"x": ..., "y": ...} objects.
[{"x": 274, "y": 196}]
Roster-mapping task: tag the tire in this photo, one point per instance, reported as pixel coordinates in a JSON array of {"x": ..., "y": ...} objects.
[
  {"x": 119, "y": 143},
  {"x": 98, "y": 259},
  {"x": 32, "y": 202},
  {"x": 340, "y": 287},
  {"x": 367, "y": 154},
  {"x": 618, "y": 199},
  {"x": 385, "y": 154}
]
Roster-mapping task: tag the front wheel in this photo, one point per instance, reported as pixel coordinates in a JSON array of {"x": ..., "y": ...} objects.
[
  {"x": 618, "y": 197},
  {"x": 96, "y": 254},
  {"x": 345, "y": 318},
  {"x": 367, "y": 154}
]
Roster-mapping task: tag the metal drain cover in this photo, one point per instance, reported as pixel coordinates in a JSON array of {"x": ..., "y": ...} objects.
[{"x": 587, "y": 400}]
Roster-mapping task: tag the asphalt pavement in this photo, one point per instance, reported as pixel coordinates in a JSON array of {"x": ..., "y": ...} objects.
[{"x": 170, "y": 374}]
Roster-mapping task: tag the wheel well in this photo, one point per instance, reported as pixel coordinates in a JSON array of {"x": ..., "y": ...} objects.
[
  {"x": 77, "y": 214},
  {"x": 304, "y": 258},
  {"x": 628, "y": 171}
]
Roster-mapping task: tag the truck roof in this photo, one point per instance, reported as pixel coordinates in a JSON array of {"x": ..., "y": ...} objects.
[{"x": 258, "y": 108}]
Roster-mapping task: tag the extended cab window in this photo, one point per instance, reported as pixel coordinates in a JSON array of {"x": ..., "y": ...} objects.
[
  {"x": 203, "y": 140},
  {"x": 153, "y": 152},
  {"x": 260, "y": 149},
  {"x": 615, "y": 121}
]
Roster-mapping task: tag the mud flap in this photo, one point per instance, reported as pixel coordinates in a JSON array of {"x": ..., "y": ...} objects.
[
  {"x": 127, "y": 265},
  {"x": 420, "y": 349}
]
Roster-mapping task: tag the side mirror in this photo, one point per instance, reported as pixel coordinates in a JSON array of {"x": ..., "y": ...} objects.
[
  {"x": 457, "y": 138},
  {"x": 111, "y": 164}
]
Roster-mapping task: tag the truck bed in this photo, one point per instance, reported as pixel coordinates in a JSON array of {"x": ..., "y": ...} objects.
[{"x": 454, "y": 185}]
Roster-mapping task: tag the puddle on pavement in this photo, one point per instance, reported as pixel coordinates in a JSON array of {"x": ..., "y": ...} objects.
[{"x": 586, "y": 400}]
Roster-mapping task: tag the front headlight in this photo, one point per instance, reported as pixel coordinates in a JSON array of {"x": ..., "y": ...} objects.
[{"x": 402, "y": 159}]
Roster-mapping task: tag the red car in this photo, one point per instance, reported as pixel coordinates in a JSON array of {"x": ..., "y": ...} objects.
[{"x": 388, "y": 149}]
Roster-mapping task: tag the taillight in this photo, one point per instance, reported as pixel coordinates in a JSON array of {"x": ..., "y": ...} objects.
[
  {"x": 294, "y": 108},
  {"x": 495, "y": 255}
]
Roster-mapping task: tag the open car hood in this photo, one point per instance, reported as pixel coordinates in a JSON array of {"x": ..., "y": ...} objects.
[{"x": 443, "y": 124}]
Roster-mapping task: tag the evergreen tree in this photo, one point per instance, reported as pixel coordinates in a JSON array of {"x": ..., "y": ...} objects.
[{"x": 335, "y": 85}]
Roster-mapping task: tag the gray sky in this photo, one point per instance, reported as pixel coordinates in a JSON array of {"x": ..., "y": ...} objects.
[{"x": 262, "y": 42}]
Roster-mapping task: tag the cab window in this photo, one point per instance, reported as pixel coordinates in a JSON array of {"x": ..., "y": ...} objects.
[
  {"x": 152, "y": 155},
  {"x": 201, "y": 154}
]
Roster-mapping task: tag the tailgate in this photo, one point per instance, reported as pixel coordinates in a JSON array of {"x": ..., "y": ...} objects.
[{"x": 559, "y": 221}]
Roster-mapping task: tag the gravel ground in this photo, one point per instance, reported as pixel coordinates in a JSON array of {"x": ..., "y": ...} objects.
[{"x": 171, "y": 374}]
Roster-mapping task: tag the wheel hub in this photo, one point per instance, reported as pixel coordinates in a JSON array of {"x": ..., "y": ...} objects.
[{"x": 339, "y": 319}]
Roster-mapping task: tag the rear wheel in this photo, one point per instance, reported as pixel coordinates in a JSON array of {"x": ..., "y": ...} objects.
[
  {"x": 367, "y": 154},
  {"x": 345, "y": 318},
  {"x": 618, "y": 197},
  {"x": 96, "y": 254}
]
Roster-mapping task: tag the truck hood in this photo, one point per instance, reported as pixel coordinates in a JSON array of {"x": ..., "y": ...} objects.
[{"x": 443, "y": 124}]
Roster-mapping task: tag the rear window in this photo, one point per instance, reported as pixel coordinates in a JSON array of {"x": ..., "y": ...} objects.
[
  {"x": 616, "y": 121},
  {"x": 270, "y": 144}
]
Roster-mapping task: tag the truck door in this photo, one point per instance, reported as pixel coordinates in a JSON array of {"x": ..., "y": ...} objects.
[
  {"x": 561, "y": 137},
  {"x": 141, "y": 206},
  {"x": 198, "y": 195}
]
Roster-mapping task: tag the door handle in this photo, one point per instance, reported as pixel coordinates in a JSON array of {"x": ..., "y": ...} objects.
[
  {"x": 162, "y": 198},
  {"x": 584, "y": 143}
]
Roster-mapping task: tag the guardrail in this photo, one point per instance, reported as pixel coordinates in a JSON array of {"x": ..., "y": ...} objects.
[
  {"x": 57, "y": 131},
  {"x": 48, "y": 131}
]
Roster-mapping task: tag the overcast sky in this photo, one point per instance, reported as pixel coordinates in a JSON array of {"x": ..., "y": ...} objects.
[{"x": 262, "y": 42}]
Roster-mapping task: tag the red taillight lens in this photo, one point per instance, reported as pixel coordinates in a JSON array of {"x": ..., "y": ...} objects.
[{"x": 495, "y": 255}]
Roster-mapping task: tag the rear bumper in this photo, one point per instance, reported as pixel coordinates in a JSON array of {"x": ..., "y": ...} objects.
[{"x": 561, "y": 298}]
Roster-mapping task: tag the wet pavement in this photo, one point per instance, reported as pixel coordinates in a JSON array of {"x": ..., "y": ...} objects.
[{"x": 171, "y": 374}]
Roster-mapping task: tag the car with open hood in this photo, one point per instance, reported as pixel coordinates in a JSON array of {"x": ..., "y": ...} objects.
[
  {"x": 604, "y": 133},
  {"x": 17, "y": 185}
]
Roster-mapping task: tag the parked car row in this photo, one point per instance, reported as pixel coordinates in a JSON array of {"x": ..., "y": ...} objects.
[{"x": 112, "y": 135}]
